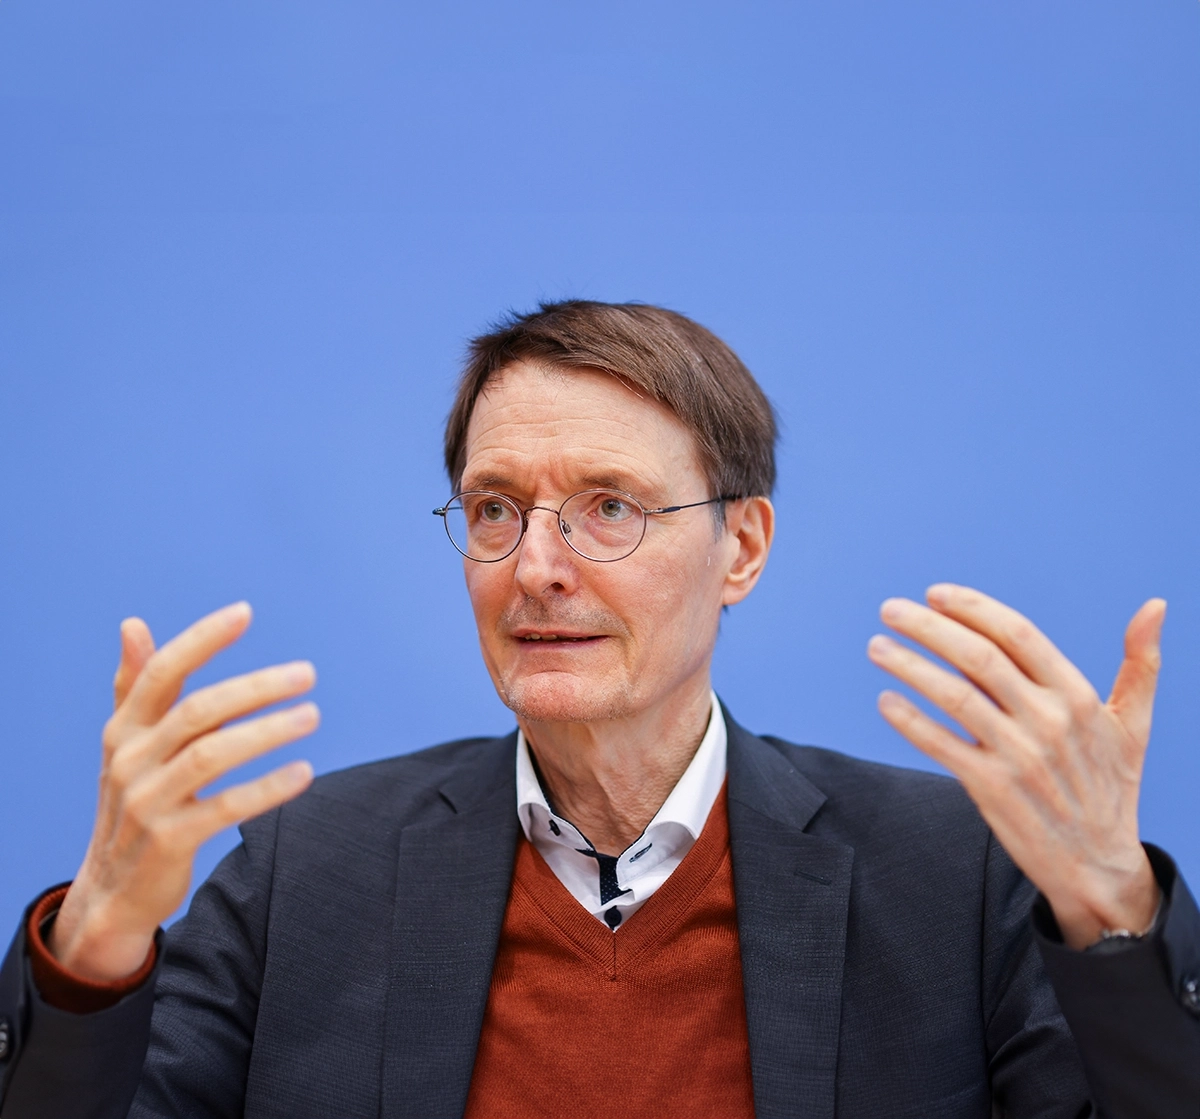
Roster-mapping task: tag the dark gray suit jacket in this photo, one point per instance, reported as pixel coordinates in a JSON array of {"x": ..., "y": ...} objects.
[{"x": 336, "y": 965}]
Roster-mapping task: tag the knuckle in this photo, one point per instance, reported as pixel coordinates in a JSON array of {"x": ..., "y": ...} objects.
[
  {"x": 137, "y": 807},
  {"x": 193, "y": 714},
  {"x": 201, "y": 757},
  {"x": 119, "y": 772},
  {"x": 1058, "y": 721},
  {"x": 157, "y": 673},
  {"x": 980, "y": 659},
  {"x": 267, "y": 686},
  {"x": 110, "y": 740},
  {"x": 1019, "y": 633},
  {"x": 232, "y": 805},
  {"x": 263, "y": 682},
  {"x": 959, "y": 697}
]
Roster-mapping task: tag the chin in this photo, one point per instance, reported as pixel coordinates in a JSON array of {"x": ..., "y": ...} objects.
[{"x": 560, "y": 697}]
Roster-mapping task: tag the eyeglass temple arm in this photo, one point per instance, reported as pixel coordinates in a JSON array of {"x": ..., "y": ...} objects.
[
  {"x": 649, "y": 512},
  {"x": 694, "y": 504}
]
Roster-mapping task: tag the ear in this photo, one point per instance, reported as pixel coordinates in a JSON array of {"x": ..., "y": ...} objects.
[{"x": 751, "y": 523}]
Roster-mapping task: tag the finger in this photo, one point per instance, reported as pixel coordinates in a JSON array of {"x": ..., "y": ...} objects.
[
  {"x": 1133, "y": 692},
  {"x": 958, "y": 698},
  {"x": 204, "y": 818},
  {"x": 1029, "y": 649},
  {"x": 137, "y": 647},
  {"x": 212, "y": 756},
  {"x": 159, "y": 683},
  {"x": 208, "y": 708},
  {"x": 977, "y": 657},
  {"x": 963, "y": 759}
]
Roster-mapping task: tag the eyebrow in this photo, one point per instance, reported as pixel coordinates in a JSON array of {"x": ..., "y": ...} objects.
[
  {"x": 592, "y": 480},
  {"x": 486, "y": 482}
]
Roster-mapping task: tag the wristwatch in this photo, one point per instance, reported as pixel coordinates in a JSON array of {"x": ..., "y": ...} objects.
[{"x": 1116, "y": 940}]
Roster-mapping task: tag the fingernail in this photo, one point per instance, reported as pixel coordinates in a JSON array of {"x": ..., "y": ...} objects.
[
  {"x": 892, "y": 609},
  {"x": 297, "y": 773},
  {"x": 938, "y": 594},
  {"x": 305, "y": 715},
  {"x": 237, "y": 612},
  {"x": 889, "y": 701},
  {"x": 880, "y": 646},
  {"x": 300, "y": 674}
]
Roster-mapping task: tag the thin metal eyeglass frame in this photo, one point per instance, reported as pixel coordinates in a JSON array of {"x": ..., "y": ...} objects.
[{"x": 443, "y": 510}]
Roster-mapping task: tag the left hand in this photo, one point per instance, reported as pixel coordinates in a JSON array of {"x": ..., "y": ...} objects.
[{"x": 1054, "y": 771}]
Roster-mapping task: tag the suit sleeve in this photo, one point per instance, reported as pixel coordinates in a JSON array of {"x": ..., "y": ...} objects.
[
  {"x": 179, "y": 1044},
  {"x": 55, "y": 1063},
  {"x": 1135, "y": 1012},
  {"x": 1111, "y": 1036}
]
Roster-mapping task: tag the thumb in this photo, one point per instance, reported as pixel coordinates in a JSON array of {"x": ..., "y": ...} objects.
[
  {"x": 1133, "y": 691},
  {"x": 137, "y": 647}
]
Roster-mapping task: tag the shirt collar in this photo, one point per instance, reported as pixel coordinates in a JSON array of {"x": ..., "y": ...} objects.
[{"x": 687, "y": 805}]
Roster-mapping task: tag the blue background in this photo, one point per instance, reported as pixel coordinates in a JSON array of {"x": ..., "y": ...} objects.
[{"x": 243, "y": 245}]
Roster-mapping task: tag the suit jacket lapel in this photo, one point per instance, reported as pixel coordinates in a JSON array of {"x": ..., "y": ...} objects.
[
  {"x": 793, "y": 892},
  {"x": 452, "y": 887}
]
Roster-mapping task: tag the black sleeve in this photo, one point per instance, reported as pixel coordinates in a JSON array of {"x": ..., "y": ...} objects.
[
  {"x": 54, "y": 1063},
  {"x": 178, "y": 1045},
  {"x": 1135, "y": 1012}
]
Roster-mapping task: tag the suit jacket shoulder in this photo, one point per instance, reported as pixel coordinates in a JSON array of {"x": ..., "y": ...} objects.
[
  {"x": 405, "y": 786},
  {"x": 863, "y": 796}
]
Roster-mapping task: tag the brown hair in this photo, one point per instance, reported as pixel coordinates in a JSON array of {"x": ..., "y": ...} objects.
[{"x": 659, "y": 353}]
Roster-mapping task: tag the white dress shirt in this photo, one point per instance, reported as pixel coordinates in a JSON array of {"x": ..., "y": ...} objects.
[{"x": 647, "y": 862}]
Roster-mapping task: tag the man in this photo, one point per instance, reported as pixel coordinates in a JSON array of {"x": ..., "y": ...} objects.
[{"x": 631, "y": 903}]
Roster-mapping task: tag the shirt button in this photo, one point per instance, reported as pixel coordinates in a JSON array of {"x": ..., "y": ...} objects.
[
  {"x": 5, "y": 1039},
  {"x": 1190, "y": 995}
]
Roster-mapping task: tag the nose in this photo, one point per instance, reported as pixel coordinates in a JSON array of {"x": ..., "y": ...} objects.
[{"x": 544, "y": 562}]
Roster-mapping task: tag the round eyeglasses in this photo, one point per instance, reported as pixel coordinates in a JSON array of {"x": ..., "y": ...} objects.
[{"x": 600, "y": 525}]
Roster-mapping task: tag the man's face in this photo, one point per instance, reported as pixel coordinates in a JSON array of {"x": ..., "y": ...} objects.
[{"x": 627, "y": 634}]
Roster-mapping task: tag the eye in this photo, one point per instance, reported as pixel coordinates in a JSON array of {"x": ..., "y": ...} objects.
[
  {"x": 612, "y": 508},
  {"x": 486, "y": 510}
]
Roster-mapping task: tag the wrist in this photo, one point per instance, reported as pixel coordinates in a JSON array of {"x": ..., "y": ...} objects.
[
  {"x": 1114, "y": 902},
  {"x": 87, "y": 941}
]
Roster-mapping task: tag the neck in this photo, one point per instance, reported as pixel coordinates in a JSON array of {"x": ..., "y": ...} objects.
[{"x": 610, "y": 777}]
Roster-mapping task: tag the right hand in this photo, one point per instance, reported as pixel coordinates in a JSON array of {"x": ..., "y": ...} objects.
[{"x": 158, "y": 755}]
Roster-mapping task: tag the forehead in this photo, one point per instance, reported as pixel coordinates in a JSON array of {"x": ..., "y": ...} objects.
[{"x": 536, "y": 426}]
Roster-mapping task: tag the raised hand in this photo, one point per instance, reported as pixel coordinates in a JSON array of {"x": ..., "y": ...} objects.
[
  {"x": 1054, "y": 771},
  {"x": 158, "y": 755}
]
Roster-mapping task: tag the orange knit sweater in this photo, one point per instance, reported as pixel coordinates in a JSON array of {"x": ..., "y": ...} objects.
[{"x": 647, "y": 1021}]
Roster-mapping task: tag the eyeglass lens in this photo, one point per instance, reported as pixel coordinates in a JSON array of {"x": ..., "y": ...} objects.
[{"x": 598, "y": 524}]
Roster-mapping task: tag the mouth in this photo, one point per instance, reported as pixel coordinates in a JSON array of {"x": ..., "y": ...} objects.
[{"x": 545, "y": 638}]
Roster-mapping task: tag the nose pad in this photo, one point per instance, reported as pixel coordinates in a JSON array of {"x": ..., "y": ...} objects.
[
  {"x": 533, "y": 547},
  {"x": 546, "y": 563}
]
